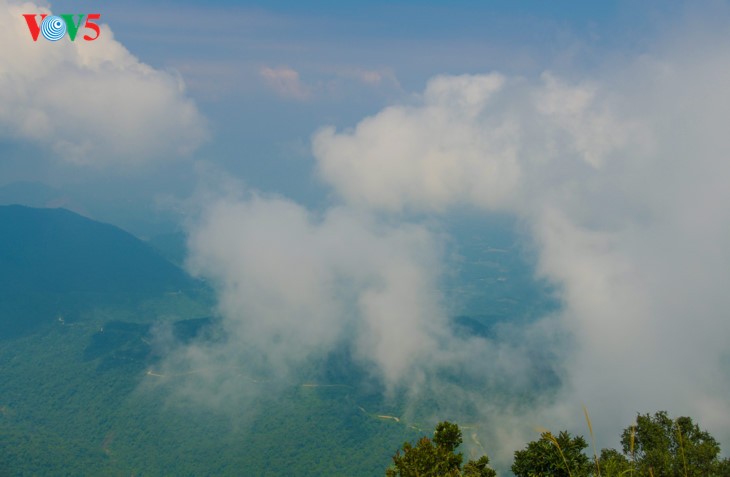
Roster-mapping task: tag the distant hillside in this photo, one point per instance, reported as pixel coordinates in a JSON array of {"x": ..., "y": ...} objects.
[
  {"x": 171, "y": 245},
  {"x": 54, "y": 254},
  {"x": 54, "y": 250}
]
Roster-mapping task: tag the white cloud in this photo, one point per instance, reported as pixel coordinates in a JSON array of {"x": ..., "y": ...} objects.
[
  {"x": 369, "y": 76},
  {"x": 290, "y": 283},
  {"x": 285, "y": 82},
  {"x": 428, "y": 156},
  {"x": 373, "y": 78},
  {"x": 328, "y": 83},
  {"x": 622, "y": 181},
  {"x": 90, "y": 103},
  {"x": 294, "y": 286},
  {"x": 485, "y": 140}
]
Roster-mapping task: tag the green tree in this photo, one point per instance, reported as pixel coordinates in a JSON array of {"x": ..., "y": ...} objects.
[
  {"x": 437, "y": 457},
  {"x": 478, "y": 468},
  {"x": 672, "y": 448},
  {"x": 553, "y": 456},
  {"x": 613, "y": 463}
]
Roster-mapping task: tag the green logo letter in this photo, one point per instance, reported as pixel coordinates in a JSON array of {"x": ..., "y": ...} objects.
[{"x": 72, "y": 27}]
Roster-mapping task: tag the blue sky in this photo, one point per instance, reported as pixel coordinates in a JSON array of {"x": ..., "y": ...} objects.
[{"x": 261, "y": 136}]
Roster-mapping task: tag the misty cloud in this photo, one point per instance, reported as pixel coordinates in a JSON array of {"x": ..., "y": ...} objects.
[
  {"x": 621, "y": 182},
  {"x": 327, "y": 83},
  {"x": 292, "y": 285},
  {"x": 285, "y": 82},
  {"x": 90, "y": 103},
  {"x": 425, "y": 157}
]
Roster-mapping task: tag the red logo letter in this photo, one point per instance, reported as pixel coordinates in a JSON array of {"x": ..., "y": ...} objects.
[
  {"x": 33, "y": 25},
  {"x": 92, "y": 26}
]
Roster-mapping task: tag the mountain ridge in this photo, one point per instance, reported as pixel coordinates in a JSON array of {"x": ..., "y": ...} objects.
[{"x": 59, "y": 255}]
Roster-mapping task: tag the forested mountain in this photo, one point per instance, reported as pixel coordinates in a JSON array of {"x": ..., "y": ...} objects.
[
  {"x": 55, "y": 250},
  {"x": 82, "y": 392},
  {"x": 52, "y": 261}
]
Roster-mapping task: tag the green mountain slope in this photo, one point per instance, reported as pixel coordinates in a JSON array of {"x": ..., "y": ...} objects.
[
  {"x": 76, "y": 400},
  {"x": 81, "y": 389},
  {"x": 54, "y": 262},
  {"x": 54, "y": 250}
]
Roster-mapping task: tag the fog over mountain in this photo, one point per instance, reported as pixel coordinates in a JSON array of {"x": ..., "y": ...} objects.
[
  {"x": 54, "y": 262},
  {"x": 620, "y": 181}
]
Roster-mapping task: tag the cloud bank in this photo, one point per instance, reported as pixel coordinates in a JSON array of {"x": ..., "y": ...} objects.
[
  {"x": 621, "y": 180},
  {"x": 295, "y": 287},
  {"x": 90, "y": 103},
  {"x": 291, "y": 282}
]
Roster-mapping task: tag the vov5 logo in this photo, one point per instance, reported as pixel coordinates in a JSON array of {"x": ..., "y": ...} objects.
[{"x": 55, "y": 27}]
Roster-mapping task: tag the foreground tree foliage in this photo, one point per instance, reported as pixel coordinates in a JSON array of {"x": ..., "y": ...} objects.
[
  {"x": 437, "y": 457},
  {"x": 556, "y": 456},
  {"x": 656, "y": 446},
  {"x": 661, "y": 446},
  {"x": 613, "y": 463}
]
